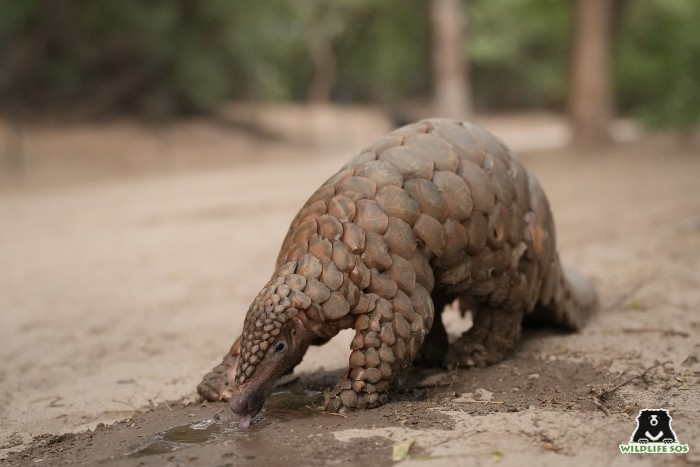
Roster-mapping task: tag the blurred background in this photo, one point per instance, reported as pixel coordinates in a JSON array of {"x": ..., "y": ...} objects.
[
  {"x": 163, "y": 74},
  {"x": 153, "y": 153}
]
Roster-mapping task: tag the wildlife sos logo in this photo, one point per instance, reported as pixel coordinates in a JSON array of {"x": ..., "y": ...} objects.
[{"x": 654, "y": 435}]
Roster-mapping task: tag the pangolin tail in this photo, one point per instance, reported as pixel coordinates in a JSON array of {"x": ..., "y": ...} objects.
[{"x": 570, "y": 301}]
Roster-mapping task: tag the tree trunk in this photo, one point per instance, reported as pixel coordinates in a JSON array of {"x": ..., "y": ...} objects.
[
  {"x": 323, "y": 57},
  {"x": 450, "y": 67},
  {"x": 322, "y": 53},
  {"x": 590, "y": 96}
]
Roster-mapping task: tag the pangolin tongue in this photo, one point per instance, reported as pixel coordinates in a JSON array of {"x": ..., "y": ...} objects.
[{"x": 244, "y": 422}]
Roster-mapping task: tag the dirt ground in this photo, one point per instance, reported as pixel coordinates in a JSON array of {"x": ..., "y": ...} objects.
[{"x": 122, "y": 283}]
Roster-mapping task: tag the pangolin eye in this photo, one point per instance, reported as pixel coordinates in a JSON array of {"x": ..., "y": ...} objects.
[{"x": 280, "y": 347}]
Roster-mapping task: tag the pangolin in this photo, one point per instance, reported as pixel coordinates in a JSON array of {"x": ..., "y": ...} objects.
[{"x": 435, "y": 212}]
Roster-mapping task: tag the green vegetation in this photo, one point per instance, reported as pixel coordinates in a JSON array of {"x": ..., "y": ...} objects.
[
  {"x": 519, "y": 53},
  {"x": 164, "y": 57},
  {"x": 658, "y": 62}
]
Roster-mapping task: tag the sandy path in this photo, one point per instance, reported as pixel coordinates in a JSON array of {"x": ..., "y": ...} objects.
[{"x": 117, "y": 296}]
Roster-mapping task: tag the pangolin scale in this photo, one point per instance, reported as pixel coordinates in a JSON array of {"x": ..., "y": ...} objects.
[{"x": 434, "y": 212}]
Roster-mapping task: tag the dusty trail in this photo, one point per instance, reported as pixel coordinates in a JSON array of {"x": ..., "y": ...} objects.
[{"x": 116, "y": 297}]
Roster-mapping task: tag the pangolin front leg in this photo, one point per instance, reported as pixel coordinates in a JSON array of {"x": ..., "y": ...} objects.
[
  {"x": 217, "y": 385},
  {"x": 386, "y": 342}
]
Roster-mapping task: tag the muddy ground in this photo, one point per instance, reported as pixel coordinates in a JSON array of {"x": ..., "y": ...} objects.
[{"x": 121, "y": 286}]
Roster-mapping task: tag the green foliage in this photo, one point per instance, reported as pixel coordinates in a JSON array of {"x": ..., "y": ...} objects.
[
  {"x": 384, "y": 54},
  {"x": 658, "y": 62},
  {"x": 519, "y": 52},
  {"x": 155, "y": 57},
  {"x": 161, "y": 57}
]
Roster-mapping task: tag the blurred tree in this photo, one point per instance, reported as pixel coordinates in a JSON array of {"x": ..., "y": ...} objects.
[
  {"x": 658, "y": 63},
  {"x": 170, "y": 57},
  {"x": 590, "y": 95},
  {"x": 325, "y": 22},
  {"x": 153, "y": 57},
  {"x": 518, "y": 53},
  {"x": 384, "y": 53},
  {"x": 322, "y": 54},
  {"x": 449, "y": 54}
]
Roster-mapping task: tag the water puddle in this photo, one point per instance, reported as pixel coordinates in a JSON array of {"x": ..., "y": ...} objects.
[
  {"x": 280, "y": 407},
  {"x": 179, "y": 437}
]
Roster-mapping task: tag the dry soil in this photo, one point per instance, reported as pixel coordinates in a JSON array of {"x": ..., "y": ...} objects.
[{"x": 120, "y": 288}]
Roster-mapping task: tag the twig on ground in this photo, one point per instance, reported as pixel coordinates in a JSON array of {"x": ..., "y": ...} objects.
[
  {"x": 321, "y": 408},
  {"x": 600, "y": 396},
  {"x": 53, "y": 399},
  {"x": 625, "y": 296},
  {"x": 168, "y": 406},
  {"x": 127, "y": 404},
  {"x": 665, "y": 332},
  {"x": 120, "y": 413},
  {"x": 598, "y": 404},
  {"x": 448, "y": 378},
  {"x": 421, "y": 385},
  {"x": 460, "y": 437},
  {"x": 474, "y": 401}
]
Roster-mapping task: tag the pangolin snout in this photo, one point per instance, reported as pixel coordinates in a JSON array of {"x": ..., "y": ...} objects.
[{"x": 247, "y": 404}]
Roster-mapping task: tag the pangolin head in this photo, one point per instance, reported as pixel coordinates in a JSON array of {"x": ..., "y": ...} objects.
[{"x": 274, "y": 340}]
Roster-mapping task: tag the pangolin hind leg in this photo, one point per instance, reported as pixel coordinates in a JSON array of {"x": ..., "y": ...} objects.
[
  {"x": 490, "y": 339},
  {"x": 217, "y": 385},
  {"x": 435, "y": 344}
]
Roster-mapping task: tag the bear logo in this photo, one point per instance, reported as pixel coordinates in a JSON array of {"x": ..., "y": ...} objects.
[{"x": 654, "y": 426}]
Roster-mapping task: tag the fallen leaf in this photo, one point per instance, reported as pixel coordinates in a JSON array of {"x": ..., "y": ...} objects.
[{"x": 400, "y": 451}]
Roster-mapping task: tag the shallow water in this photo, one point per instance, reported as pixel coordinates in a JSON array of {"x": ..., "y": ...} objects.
[{"x": 279, "y": 407}]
